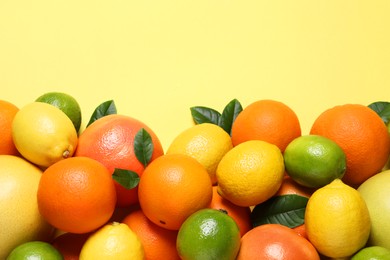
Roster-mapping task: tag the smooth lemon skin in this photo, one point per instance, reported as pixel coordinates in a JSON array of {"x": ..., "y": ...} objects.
[
  {"x": 207, "y": 143},
  {"x": 376, "y": 193},
  {"x": 114, "y": 241},
  {"x": 250, "y": 173},
  {"x": 20, "y": 220},
  {"x": 337, "y": 220},
  {"x": 43, "y": 134}
]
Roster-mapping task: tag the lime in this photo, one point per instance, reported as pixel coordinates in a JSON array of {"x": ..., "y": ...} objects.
[
  {"x": 250, "y": 173},
  {"x": 43, "y": 134},
  {"x": 208, "y": 234},
  {"x": 372, "y": 253},
  {"x": 376, "y": 193},
  {"x": 66, "y": 103},
  {"x": 207, "y": 143},
  {"x": 35, "y": 250},
  {"x": 314, "y": 161},
  {"x": 113, "y": 241},
  {"x": 337, "y": 220}
]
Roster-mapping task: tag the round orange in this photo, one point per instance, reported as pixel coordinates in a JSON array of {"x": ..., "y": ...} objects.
[
  {"x": 173, "y": 187},
  {"x": 70, "y": 244},
  {"x": 7, "y": 114},
  {"x": 156, "y": 241},
  {"x": 110, "y": 140},
  {"x": 274, "y": 241},
  {"x": 289, "y": 186},
  {"x": 362, "y": 135},
  {"x": 76, "y": 195},
  {"x": 267, "y": 120},
  {"x": 240, "y": 214}
]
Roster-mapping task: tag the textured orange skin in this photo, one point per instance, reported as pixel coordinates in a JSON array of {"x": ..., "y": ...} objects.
[{"x": 7, "y": 114}]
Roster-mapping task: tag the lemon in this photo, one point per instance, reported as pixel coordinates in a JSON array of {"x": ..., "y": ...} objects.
[
  {"x": 35, "y": 250},
  {"x": 66, "y": 103},
  {"x": 113, "y": 241},
  {"x": 372, "y": 253},
  {"x": 376, "y": 193},
  {"x": 314, "y": 161},
  {"x": 208, "y": 234},
  {"x": 43, "y": 134},
  {"x": 20, "y": 220},
  {"x": 337, "y": 220},
  {"x": 207, "y": 143},
  {"x": 250, "y": 173}
]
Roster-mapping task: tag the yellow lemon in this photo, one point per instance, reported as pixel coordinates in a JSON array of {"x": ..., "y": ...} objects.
[
  {"x": 207, "y": 143},
  {"x": 20, "y": 220},
  {"x": 43, "y": 134},
  {"x": 337, "y": 220},
  {"x": 250, "y": 173},
  {"x": 113, "y": 241}
]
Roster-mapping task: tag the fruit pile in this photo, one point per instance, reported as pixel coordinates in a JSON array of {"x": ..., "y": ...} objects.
[{"x": 241, "y": 184}]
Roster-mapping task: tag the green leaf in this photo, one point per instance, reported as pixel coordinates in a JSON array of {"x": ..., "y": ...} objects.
[
  {"x": 288, "y": 210},
  {"x": 143, "y": 146},
  {"x": 382, "y": 108},
  {"x": 229, "y": 114},
  {"x": 205, "y": 115},
  {"x": 126, "y": 178},
  {"x": 104, "y": 109}
]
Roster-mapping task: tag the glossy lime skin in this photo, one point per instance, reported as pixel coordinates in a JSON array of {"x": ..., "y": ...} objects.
[
  {"x": 35, "y": 250},
  {"x": 208, "y": 234}
]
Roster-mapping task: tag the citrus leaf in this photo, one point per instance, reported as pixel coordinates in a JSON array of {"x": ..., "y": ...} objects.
[
  {"x": 382, "y": 108},
  {"x": 229, "y": 114},
  {"x": 143, "y": 146},
  {"x": 126, "y": 178},
  {"x": 287, "y": 210},
  {"x": 205, "y": 115},
  {"x": 104, "y": 109}
]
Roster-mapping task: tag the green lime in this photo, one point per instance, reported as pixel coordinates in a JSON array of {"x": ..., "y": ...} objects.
[
  {"x": 35, "y": 250},
  {"x": 314, "y": 161},
  {"x": 66, "y": 103},
  {"x": 208, "y": 234},
  {"x": 372, "y": 253}
]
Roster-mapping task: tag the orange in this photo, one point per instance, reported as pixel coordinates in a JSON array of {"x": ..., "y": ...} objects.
[
  {"x": 76, "y": 195},
  {"x": 110, "y": 140},
  {"x": 267, "y": 120},
  {"x": 173, "y": 187},
  {"x": 70, "y": 244},
  {"x": 274, "y": 241},
  {"x": 156, "y": 241},
  {"x": 7, "y": 114},
  {"x": 241, "y": 215},
  {"x": 362, "y": 135},
  {"x": 289, "y": 186}
]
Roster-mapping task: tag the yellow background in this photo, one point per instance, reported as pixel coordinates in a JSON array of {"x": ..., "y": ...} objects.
[{"x": 156, "y": 59}]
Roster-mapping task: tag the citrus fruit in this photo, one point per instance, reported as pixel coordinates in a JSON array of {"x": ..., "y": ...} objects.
[
  {"x": 372, "y": 253},
  {"x": 156, "y": 241},
  {"x": 314, "y": 161},
  {"x": 113, "y": 241},
  {"x": 376, "y": 193},
  {"x": 20, "y": 220},
  {"x": 362, "y": 135},
  {"x": 274, "y": 241},
  {"x": 240, "y": 214},
  {"x": 250, "y": 173},
  {"x": 43, "y": 134},
  {"x": 267, "y": 120},
  {"x": 110, "y": 140},
  {"x": 76, "y": 195},
  {"x": 289, "y": 186},
  {"x": 7, "y": 114},
  {"x": 208, "y": 234},
  {"x": 35, "y": 250},
  {"x": 337, "y": 220},
  {"x": 205, "y": 142},
  {"x": 70, "y": 244},
  {"x": 172, "y": 187},
  {"x": 66, "y": 103}
]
